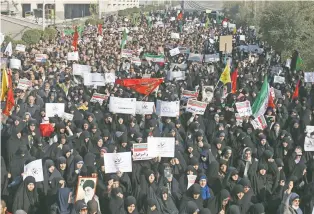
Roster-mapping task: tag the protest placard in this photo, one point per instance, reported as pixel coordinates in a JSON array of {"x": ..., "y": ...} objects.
[
  {"x": 15, "y": 64},
  {"x": 196, "y": 107},
  {"x": 110, "y": 78},
  {"x": 174, "y": 51},
  {"x": 140, "y": 151},
  {"x": 242, "y": 38},
  {"x": 73, "y": 56},
  {"x": 308, "y": 76},
  {"x": 53, "y": 109},
  {"x": 207, "y": 93},
  {"x": 161, "y": 146},
  {"x": 225, "y": 44},
  {"x": 191, "y": 180},
  {"x": 239, "y": 119},
  {"x": 184, "y": 50},
  {"x": 118, "y": 162},
  {"x": 98, "y": 98},
  {"x": 136, "y": 60},
  {"x": 168, "y": 109},
  {"x": 177, "y": 75},
  {"x": 177, "y": 66},
  {"x": 309, "y": 139},
  {"x": 41, "y": 58},
  {"x": 35, "y": 169},
  {"x": 144, "y": 107},
  {"x": 122, "y": 105},
  {"x": 288, "y": 63},
  {"x": 195, "y": 57},
  {"x": 279, "y": 79},
  {"x": 244, "y": 108},
  {"x": 175, "y": 36},
  {"x": 126, "y": 53},
  {"x": 186, "y": 94},
  {"x": 20, "y": 48},
  {"x": 3, "y": 62},
  {"x": 67, "y": 116},
  {"x": 24, "y": 84},
  {"x": 81, "y": 69},
  {"x": 259, "y": 123},
  {"x": 82, "y": 190},
  {"x": 95, "y": 79},
  {"x": 212, "y": 57}
]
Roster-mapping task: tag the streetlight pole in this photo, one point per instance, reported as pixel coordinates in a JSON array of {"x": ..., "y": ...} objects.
[{"x": 44, "y": 15}]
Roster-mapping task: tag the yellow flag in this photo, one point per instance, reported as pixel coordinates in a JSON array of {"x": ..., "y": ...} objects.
[
  {"x": 225, "y": 76},
  {"x": 4, "y": 85},
  {"x": 234, "y": 30}
]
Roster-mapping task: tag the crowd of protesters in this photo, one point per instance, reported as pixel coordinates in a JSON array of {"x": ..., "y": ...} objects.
[{"x": 239, "y": 169}]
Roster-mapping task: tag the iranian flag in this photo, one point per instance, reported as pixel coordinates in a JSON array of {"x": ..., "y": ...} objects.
[
  {"x": 124, "y": 39},
  {"x": 154, "y": 58},
  {"x": 261, "y": 103}
]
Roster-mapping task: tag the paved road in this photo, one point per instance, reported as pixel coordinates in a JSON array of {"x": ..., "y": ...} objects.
[{"x": 191, "y": 5}]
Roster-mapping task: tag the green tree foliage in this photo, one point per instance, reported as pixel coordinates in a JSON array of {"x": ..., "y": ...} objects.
[
  {"x": 50, "y": 33},
  {"x": 287, "y": 26},
  {"x": 32, "y": 36}
]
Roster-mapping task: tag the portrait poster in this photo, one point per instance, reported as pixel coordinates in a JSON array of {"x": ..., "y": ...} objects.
[{"x": 86, "y": 188}]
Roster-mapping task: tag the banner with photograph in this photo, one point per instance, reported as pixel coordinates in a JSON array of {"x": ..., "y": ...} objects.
[
  {"x": 118, "y": 162},
  {"x": 161, "y": 146},
  {"x": 207, "y": 93}
]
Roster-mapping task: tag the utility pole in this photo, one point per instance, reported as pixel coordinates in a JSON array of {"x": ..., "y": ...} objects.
[
  {"x": 44, "y": 14},
  {"x": 99, "y": 9}
]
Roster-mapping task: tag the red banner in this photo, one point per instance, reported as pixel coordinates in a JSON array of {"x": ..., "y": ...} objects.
[{"x": 142, "y": 86}]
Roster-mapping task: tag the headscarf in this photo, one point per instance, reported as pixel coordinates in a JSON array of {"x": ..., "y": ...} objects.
[{"x": 25, "y": 199}]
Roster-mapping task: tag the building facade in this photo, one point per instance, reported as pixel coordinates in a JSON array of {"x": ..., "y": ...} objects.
[{"x": 70, "y": 9}]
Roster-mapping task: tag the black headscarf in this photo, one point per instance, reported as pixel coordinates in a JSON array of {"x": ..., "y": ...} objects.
[
  {"x": 49, "y": 176},
  {"x": 116, "y": 203},
  {"x": 215, "y": 205},
  {"x": 129, "y": 201},
  {"x": 25, "y": 199}
]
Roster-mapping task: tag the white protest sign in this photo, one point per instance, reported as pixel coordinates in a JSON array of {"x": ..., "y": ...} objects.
[
  {"x": 136, "y": 60},
  {"x": 41, "y": 57},
  {"x": 177, "y": 75},
  {"x": 179, "y": 66},
  {"x": 212, "y": 58},
  {"x": 174, "y": 51},
  {"x": 122, "y": 105},
  {"x": 144, "y": 107},
  {"x": 140, "y": 151},
  {"x": 35, "y": 169},
  {"x": 126, "y": 53},
  {"x": 195, "y": 57},
  {"x": 309, "y": 139},
  {"x": 168, "y": 109},
  {"x": 207, "y": 93},
  {"x": 118, "y": 162},
  {"x": 53, "y": 109},
  {"x": 73, "y": 56},
  {"x": 161, "y": 146},
  {"x": 242, "y": 37},
  {"x": 20, "y": 47},
  {"x": 110, "y": 78},
  {"x": 98, "y": 98},
  {"x": 191, "y": 180},
  {"x": 244, "y": 108},
  {"x": 15, "y": 64},
  {"x": 239, "y": 119},
  {"x": 81, "y": 69},
  {"x": 172, "y": 18},
  {"x": 308, "y": 76},
  {"x": 96, "y": 79},
  {"x": 279, "y": 79},
  {"x": 67, "y": 116},
  {"x": 24, "y": 84},
  {"x": 196, "y": 107},
  {"x": 259, "y": 123},
  {"x": 175, "y": 36}
]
